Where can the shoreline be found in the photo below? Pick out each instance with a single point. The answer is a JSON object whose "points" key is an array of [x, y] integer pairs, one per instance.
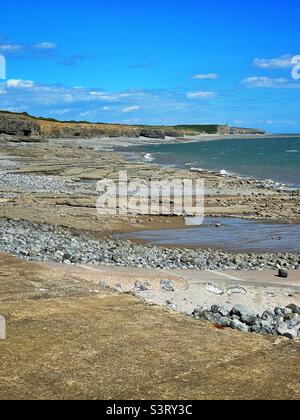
{"points": [[48, 243], [124, 150], [55, 182]]}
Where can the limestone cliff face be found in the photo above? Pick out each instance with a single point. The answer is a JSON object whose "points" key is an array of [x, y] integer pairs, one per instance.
{"points": [[18, 125], [23, 125], [237, 130]]}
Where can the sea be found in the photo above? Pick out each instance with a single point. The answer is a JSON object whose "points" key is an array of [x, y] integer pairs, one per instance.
{"points": [[274, 160]]}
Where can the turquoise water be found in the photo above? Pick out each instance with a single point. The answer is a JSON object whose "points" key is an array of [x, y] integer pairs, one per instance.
{"points": [[276, 159]]}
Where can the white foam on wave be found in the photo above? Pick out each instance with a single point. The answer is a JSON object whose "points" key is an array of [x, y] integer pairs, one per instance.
{"points": [[148, 157], [292, 151], [191, 163], [224, 172]]}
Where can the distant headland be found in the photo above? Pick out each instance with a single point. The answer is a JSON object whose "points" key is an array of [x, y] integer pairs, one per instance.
{"points": [[25, 125]]}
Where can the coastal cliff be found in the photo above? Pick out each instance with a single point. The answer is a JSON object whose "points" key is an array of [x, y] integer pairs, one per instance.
{"points": [[24, 125]]}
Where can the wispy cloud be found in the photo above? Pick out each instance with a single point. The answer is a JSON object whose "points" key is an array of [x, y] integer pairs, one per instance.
{"points": [[201, 95], [60, 112], [131, 109], [10, 48], [283, 62], [28, 94], [268, 82], [19, 84], [45, 46], [13, 48], [209, 76], [42, 50]]}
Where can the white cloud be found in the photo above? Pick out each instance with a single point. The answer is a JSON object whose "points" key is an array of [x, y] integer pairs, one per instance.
{"points": [[268, 82], [60, 112], [210, 76], [45, 46], [283, 62], [154, 105], [30, 49], [19, 84], [200, 95], [10, 47], [131, 109]]}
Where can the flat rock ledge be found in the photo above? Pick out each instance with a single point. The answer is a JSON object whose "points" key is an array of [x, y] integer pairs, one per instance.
{"points": [[284, 322]]}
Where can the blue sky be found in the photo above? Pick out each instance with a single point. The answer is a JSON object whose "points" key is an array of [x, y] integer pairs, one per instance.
{"points": [[153, 62]]}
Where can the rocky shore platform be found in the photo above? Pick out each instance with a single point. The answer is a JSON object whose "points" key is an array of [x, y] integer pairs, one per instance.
{"points": [[81, 303]]}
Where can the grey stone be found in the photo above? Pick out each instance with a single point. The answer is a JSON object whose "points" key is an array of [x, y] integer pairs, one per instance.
{"points": [[223, 310], [208, 316], [250, 320], [238, 325], [283, 273], [214, 289], [167, 285], [243, 311], [256, 329], [236, 291], [267, 330], [284, 331], [224, 321], [268, 315], [294, 308], [197, 313], [280, 311], [141, 286], [67, 257]]}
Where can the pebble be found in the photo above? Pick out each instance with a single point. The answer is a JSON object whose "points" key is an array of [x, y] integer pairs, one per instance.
{"points": [[141, 286], [214, 289], [41, 242]]}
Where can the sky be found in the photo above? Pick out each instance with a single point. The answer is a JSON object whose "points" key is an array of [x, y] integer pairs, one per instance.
{"points": [[153, 62]]}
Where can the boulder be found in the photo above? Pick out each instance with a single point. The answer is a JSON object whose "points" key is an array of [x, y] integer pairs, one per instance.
{"points": [[283, 273], [243, 311], [294, 308], [280, 311], [225, 322], [256, 329], [238, 325], [269, 315], [284, 331], [223, 310], [268, 330]]}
